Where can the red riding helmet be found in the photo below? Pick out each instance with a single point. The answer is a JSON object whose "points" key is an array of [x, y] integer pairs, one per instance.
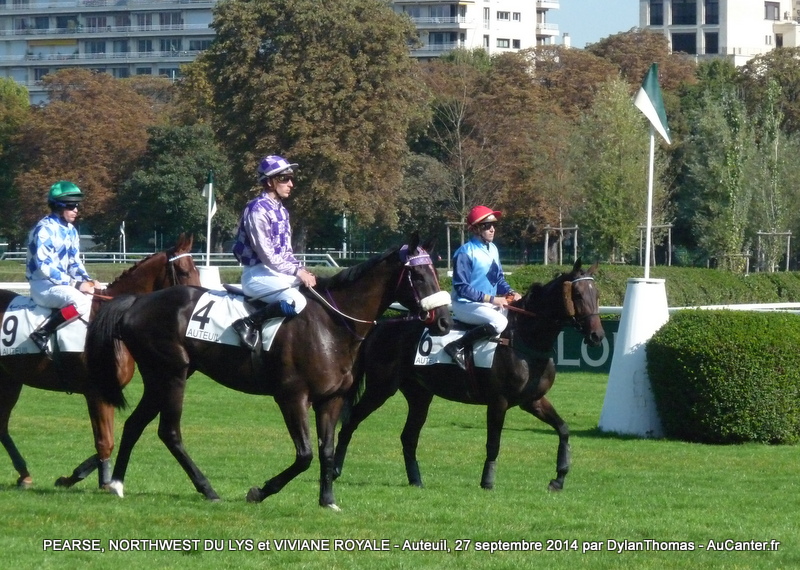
{"points": [[480, 214]]}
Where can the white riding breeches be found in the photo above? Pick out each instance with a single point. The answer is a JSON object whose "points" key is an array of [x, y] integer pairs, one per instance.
{"points": [[474, 313], [46, 294], [267, 285]]}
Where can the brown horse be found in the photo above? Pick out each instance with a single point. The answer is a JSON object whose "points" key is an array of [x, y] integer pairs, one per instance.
{"points": [[521, 372], [67, 372], [309, 363]]}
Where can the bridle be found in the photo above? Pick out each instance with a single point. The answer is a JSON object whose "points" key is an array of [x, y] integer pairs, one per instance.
{"points": [[569, 305], [171, 262], [428, 304]]}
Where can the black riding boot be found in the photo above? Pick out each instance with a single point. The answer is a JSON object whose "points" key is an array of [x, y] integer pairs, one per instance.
{"points": [[455, 349], [249, 327], [57, 318]]}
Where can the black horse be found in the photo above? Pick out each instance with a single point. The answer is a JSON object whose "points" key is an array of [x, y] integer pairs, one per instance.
{"points": [[521, 373], [309, 363]]}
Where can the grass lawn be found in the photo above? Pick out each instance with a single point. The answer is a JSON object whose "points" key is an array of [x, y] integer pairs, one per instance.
{"points": [[627, 503]]}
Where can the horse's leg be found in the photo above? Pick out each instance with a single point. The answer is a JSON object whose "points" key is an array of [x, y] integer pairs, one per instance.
{"points": [[9, 395], [295, 416], [372, 399], [495, 418], [102, 418], [544, 410], [327, 415], [419, 401], [144, 413], [169, 430]]}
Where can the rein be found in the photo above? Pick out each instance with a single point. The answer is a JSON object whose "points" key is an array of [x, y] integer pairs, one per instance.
{"points": [[337, 311]]}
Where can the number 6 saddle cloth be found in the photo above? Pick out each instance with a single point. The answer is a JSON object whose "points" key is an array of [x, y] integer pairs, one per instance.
{"points": [[214, 314]]}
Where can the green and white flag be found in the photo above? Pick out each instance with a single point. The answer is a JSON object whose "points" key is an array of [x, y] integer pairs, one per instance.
{"points": [[208, 192], [650, 102]]}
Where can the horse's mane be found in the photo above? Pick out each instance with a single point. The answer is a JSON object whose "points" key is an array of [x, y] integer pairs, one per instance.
{"points": [[132, 268], [352, 274]]}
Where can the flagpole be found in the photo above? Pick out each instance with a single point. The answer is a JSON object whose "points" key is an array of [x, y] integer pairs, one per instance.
{"points": [[208, 219], [649, 225]]}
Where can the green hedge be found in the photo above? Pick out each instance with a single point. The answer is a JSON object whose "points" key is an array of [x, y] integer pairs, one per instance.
{"points": [[727, 376]]}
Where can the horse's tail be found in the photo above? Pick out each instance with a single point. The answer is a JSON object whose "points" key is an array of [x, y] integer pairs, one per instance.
{"points": [[355, 392], [102, 349]]}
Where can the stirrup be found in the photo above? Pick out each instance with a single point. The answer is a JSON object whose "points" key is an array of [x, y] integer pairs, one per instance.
{"points": [[457, 354], [249, 333], [42, 342]]}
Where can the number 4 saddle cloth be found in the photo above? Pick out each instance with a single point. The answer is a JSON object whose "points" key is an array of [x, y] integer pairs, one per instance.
{"points": [[214, 314]]}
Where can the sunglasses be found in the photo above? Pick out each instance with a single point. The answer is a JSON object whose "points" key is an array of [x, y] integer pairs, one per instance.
{"points": [[487, 226], [285, 178], [70, 206]]}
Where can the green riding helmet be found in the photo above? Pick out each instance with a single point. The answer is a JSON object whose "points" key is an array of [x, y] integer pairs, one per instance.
{"points": [[64, 192]]}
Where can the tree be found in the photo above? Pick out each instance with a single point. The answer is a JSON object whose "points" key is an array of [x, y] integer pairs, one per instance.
{"points": [[615, 175], [333, 89], [92, 133], [14, 111], [720, 161], [783, 67], [164, 193]]}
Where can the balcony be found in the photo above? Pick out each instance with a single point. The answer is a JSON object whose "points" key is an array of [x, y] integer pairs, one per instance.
{"points": [[450, 23], [435, 50], [84, 30], [547, 4], [182, 56], [546, 29], [60, 6]]}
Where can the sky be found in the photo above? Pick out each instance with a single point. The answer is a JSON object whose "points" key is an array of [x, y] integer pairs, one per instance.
{"points": [[587, 21]]}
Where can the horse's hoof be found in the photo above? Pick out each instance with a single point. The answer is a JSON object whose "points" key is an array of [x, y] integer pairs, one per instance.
{"points": [[255, 495], [334, 507], [116, 488], [64, 482], [555, 486], [25, 482]]}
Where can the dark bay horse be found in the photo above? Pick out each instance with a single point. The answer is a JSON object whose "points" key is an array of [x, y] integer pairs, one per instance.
{"points": [[309, 363], [67, 372], [521, 374]]}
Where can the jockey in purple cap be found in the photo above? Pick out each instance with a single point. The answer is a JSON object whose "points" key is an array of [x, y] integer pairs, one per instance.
{"points": [[271, 272]]}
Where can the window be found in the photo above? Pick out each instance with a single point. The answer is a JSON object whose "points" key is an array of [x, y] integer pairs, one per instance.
{"points": [[171, 72], [144, 71], [413, 11], [94, 23], [778, 40], [96, 47], [171, 45], [684, 12], [41, 23], [516, 16], [768, 40], [120, 72], [772, 10], [120, 46], [40, 72], [486, 42], [711, 12], [686, 43], [656, 12], [515, 44], [712, 42], [503, 43], [122, 21], [199, 45], [144, 46], [505, 16], [170, 19], [144, 21]]}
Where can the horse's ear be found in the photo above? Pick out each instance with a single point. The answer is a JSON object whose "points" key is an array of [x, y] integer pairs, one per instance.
{"points": [[185, 242], [577, 266], [593, 269], [429, 244], [413, 242]]}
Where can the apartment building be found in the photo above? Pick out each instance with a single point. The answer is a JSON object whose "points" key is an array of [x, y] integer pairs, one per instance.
{"points": [[494, 25], [119, 37], [735, 29], [154, 37]]}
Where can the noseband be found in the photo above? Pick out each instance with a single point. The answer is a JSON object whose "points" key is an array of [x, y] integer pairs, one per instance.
{"points": [[427, 304]]}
